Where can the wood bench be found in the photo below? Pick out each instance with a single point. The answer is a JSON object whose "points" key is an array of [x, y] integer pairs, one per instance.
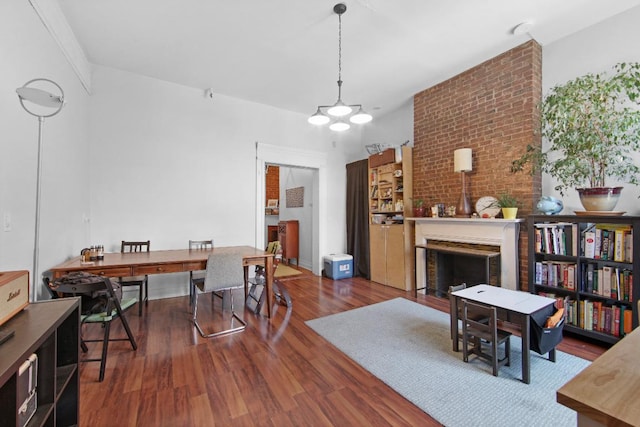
{"points": [[451, 250]]}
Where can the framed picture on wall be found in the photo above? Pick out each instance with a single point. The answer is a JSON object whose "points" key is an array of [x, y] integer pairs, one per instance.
{"points": [[272, 203]]}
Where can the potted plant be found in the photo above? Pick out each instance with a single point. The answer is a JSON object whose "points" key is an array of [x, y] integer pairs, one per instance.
{"points": [[418, 207], [509, 205], [592, 126]]}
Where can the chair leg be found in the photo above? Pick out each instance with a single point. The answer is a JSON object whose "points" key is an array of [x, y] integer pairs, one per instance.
{"points": [[140, 301], [105, 347], [146, 290]]}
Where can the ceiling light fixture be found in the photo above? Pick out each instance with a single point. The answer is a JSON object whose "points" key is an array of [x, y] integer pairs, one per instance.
{"points": [[339, 109]]}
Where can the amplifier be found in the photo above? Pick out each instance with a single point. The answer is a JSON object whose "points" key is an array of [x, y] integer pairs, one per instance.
{"points": [[14, 293], [26, 392]]}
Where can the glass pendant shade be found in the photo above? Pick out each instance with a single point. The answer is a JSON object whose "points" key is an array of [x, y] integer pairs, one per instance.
{"points": [[339, 126], [360, 117], [319, 118], [339, 109]]}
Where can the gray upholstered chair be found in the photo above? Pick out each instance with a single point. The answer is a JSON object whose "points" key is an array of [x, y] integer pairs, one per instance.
{"points": [[480, 334], [224, 273], [142, 282], [197, 245]]}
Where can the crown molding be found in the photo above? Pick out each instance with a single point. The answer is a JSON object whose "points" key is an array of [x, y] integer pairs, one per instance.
{"points": [[55, 22]]}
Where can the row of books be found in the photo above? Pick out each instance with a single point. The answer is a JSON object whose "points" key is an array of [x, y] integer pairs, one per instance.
{"points": [[595, 315], [556, 273], [605, 281], [613, 242], [556, 238]]}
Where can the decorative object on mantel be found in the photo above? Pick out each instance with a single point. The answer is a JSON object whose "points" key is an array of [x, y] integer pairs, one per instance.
{"points": [[339, 110], [592, 127], [549, 205], [487, 207], [418, 207], [462, 163], [508, 204], [52, 104]]}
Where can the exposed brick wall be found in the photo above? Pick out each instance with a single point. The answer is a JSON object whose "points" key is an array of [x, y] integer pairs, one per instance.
{"points": [[492, 109], [272, 183]]}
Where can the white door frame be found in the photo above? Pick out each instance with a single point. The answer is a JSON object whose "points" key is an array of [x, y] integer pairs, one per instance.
{"points": [[293, 157]]}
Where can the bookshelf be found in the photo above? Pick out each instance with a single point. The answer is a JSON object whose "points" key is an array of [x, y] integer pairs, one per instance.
{"points": [[49, 329], [591, 265]]}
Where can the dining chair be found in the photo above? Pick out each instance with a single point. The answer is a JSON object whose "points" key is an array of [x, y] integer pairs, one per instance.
{"points": [[105, 306], [480, 334], [197, 245], [142, 282], [225, 272]]}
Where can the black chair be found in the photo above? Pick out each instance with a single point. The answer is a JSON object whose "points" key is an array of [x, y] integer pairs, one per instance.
{"points": [[101, 305], [142, 282], [452, 308], [480, 334]]}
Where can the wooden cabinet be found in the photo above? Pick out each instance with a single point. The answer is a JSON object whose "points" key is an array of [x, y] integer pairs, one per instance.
{"points": [[390, 202], [590, 265], [49, 329], [387, 255], [288, 237]]}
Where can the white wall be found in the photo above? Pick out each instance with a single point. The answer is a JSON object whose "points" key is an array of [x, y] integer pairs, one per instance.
{"points": [[595, 49], [27, 52], [170, 165]]}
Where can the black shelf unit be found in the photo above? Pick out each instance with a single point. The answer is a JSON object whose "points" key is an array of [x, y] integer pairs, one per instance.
{"points": [[51, 330], [574, 228]]}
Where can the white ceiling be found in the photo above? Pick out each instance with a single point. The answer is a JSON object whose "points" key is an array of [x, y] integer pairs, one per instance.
{"points": [[285, 52]]}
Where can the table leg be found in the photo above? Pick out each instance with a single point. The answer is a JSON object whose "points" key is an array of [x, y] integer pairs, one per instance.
{"points": [[268, 269], [526, 356], [454, 323]]}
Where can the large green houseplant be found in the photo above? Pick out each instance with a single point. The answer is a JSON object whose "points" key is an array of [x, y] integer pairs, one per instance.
{"points": [[592, 126]]}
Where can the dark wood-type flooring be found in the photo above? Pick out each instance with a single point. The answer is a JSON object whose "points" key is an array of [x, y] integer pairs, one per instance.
{"points": [[277, 373]]}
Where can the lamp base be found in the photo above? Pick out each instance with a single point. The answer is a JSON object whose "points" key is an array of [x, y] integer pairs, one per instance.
{"points": [[464, 207]]}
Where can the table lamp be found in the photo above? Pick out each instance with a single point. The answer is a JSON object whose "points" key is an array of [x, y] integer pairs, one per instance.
{"points": [[462, 164]]}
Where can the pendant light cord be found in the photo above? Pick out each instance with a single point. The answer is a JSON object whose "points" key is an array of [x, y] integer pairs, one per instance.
{"points": [[339, 57]]}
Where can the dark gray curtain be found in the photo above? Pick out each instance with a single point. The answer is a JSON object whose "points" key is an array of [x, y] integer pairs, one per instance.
{"points": [[358, 216]]}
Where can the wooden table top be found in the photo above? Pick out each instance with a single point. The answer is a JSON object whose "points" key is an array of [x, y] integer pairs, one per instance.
{"points": [[607, 391], [118, 259]]}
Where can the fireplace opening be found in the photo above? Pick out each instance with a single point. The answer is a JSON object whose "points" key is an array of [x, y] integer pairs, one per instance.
{"points": [[470, 264]]}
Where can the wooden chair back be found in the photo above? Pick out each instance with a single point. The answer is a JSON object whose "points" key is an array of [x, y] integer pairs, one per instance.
{"points": [[131, 246]]}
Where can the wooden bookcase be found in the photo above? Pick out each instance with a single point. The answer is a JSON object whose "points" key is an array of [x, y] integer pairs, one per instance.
{"points": [[50, 329], [591, 264], [390, 202]]}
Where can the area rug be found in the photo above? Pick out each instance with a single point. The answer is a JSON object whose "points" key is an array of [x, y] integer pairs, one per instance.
{"points": [[285, 271], [408, 346]]}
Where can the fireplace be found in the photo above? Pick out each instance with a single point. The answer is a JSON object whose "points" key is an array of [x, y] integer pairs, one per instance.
{"points": [[499, 235]]}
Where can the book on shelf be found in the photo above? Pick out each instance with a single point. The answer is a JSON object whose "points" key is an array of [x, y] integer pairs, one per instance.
{"points": [[556, 238]]}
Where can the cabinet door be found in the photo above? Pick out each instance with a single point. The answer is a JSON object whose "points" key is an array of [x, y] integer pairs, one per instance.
{"points": [[395, 256], [377, 250]]}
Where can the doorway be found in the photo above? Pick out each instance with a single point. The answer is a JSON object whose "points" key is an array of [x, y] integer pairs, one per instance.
{"points": [[292, 157]]}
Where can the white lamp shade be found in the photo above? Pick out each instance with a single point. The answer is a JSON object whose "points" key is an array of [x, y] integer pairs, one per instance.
{"points": [[462, 160], [339, 109], [339, 126], [318, 119], [361, 117]]}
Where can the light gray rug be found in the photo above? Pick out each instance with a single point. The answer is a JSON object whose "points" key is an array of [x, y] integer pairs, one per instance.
{"points": [[407, 346]]}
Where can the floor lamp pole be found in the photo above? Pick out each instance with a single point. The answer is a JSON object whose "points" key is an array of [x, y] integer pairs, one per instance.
{"points": [[36, 238]]}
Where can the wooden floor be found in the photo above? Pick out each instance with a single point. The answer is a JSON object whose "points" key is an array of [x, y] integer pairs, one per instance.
{"points": [[277, 373]]}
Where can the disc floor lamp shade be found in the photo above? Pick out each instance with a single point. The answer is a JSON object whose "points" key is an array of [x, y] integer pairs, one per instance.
{"points": [[41, 104], [462, 163]]}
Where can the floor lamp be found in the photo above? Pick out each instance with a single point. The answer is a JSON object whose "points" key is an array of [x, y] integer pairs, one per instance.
{"points": [[462, 164], [49, 101]]}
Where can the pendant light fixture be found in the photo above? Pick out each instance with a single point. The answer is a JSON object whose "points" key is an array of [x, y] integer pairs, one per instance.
{"points": [[339, 111]]}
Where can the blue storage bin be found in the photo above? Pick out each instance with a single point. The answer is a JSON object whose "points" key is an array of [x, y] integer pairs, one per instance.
{"points": [[338, 266]]}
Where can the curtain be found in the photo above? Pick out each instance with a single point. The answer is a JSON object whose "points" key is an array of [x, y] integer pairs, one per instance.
{"points": [[358, 216]]}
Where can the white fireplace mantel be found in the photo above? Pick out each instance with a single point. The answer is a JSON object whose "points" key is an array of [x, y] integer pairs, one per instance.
{"points": [[503, 233]]}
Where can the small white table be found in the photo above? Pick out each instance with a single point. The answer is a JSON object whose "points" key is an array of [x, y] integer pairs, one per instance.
{"points": [[513, 307]]}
